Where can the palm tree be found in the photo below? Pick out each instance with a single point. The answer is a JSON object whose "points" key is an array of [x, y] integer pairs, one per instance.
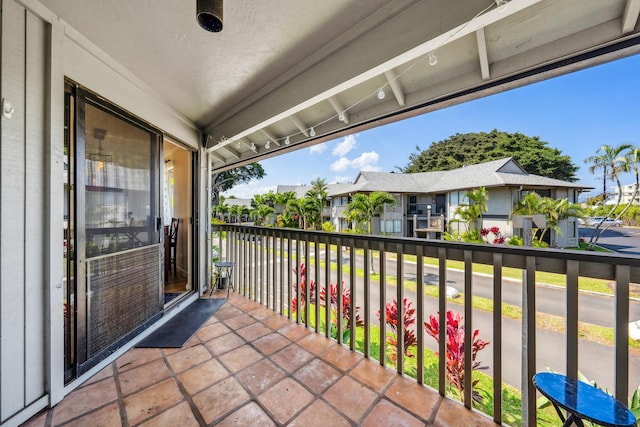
{"points": [[281, 199], [221, 209], [632, 164], [363, 207], [317, 193], [261, 212], [553, 210], [613, 161]]}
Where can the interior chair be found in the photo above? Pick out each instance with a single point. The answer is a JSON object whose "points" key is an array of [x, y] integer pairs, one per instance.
{"points": [[173, 243]]}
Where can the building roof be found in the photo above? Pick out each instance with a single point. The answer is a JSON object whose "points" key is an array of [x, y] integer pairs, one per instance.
{"points": [[496, 173]]}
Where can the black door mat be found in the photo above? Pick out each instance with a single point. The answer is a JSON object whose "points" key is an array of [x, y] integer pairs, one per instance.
{"points": [[170, 296], [183, 325]]}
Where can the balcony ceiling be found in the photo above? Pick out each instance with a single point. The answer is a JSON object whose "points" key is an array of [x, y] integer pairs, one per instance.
{"points": [[282, 67]]}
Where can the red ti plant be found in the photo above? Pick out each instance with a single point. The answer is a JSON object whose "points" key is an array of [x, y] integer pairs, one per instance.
{"points": [[346, 309], [303, 289], [409, 319], [455, 350]]}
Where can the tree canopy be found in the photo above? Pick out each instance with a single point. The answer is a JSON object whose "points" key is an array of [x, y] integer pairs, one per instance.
{"points": [[226, 180], [534, 155]]}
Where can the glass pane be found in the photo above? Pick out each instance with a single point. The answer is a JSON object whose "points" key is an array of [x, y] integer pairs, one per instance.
{"points": [[118, 184]]}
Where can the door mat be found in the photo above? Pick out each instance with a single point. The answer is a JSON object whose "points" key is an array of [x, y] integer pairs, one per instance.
{"points": [[183, 325]]}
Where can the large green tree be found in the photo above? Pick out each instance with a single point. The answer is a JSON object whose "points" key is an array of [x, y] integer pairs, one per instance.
{"points": [[534, 155], [226, 180]]}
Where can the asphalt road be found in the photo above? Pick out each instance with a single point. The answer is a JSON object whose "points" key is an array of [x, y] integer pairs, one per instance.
{"points": [[624, 240]]}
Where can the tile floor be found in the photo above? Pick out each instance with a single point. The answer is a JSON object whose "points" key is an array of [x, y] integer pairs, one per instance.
{"points": [[248, 366]]}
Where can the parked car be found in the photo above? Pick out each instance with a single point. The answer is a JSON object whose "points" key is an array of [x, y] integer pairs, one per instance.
{"points": [[594, 221]]}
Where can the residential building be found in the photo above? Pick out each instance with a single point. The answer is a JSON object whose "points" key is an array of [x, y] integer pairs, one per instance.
{"points": [[426, 203], [628, 192]]}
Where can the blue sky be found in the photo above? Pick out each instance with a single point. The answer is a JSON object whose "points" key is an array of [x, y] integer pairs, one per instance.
{"points": [[575, 113]]}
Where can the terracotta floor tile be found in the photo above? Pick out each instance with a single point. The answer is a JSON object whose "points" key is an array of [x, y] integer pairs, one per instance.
{"points": [[106, 372], [241, 321], [38, 420], [227, 312], [317, 375], [261, 313], [249, 415], [220, 399], [271, 343], [350, 397], [387, 414], [291, 357], [188, 358], [253, 331], [294, 331], [225, 343], [191, 342], [143, 376], [202, 376], [285, 399], [276, 322], [341, 357], [211, 331], [230, 382], [371, 373], [85, 399], [260, 376], [414, 397], [151, 401], [180, 415], [137, 357], [316, 343], [103, 417], [240, 358], [319, 414], [453, 414]]}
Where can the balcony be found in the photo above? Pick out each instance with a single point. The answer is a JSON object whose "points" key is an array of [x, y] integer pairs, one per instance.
{"points": [[250, 366], [558, 327], [260, 361]]}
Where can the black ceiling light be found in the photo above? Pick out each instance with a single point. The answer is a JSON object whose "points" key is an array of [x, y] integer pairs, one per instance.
{"points": [[209, 15]]}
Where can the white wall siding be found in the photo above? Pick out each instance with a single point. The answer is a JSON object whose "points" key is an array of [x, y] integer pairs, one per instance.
{"points": [[22, 211], [35, 206]]}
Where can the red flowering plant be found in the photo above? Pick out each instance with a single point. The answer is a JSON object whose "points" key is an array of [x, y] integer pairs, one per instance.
{"points": [[455, 351], [303, 289], [409, 319], [346, 310], [333, 302], [487, 233]]}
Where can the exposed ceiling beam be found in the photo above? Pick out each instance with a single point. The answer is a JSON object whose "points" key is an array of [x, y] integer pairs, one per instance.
{"points": [[235, 153], [218, 156], [630, 17], [339, 108], [482, 54], [271, 138], [301, 127], [392, 78], [463, 30]]}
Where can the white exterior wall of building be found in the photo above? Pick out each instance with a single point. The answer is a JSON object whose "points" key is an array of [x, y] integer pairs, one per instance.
{"points": [[38, 51]]}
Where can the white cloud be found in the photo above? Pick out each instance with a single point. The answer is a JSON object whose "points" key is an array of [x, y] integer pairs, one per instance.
{"points": [[318, 149], [366, 161], [344, 146], [341, 164], [248, 190]]}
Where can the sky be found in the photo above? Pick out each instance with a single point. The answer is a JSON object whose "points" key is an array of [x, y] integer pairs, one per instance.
{"points": [[575, 113]]}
